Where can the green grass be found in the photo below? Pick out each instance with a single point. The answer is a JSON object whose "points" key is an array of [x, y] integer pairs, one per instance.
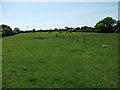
{"points": [[0, 63], [60, 63]]}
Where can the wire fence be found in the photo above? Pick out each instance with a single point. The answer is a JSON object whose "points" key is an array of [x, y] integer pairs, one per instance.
{"points": [[91, 39], [82, 39]]}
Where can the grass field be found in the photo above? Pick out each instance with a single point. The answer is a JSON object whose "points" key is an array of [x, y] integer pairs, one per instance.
{"points": [[57, 62], [0, 62]]}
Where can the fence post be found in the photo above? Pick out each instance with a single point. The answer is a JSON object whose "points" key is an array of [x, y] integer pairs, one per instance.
{"points": [[56, 35], [68, 37]]}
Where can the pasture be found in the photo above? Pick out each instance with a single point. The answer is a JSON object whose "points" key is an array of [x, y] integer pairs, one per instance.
{"points": [[44, 60]]}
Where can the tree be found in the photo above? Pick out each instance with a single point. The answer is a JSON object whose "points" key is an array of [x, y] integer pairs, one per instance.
{"points": [[87, 29], [105, 25], [77, 28], [6, 30], [33, 30], [55, 29], [66, 27], [84, 27], [61, 30], [117, 27], [17, 30]]}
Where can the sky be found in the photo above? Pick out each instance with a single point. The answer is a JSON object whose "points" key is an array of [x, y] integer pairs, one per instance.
{"points": [[50, 15]]}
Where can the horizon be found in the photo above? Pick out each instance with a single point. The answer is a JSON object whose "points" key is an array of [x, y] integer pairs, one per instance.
{"points": [[50, 15]]}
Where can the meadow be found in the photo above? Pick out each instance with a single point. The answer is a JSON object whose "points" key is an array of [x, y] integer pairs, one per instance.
{"points": [[44, 60], [0, 61]]}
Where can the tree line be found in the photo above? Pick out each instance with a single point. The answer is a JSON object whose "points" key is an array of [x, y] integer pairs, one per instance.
{"points": [[106, 25]]}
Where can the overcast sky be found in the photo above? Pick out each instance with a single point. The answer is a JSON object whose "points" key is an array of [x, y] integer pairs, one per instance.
{"points": [[46, 15]]}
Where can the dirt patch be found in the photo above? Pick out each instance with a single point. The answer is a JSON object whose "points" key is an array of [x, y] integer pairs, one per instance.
{"points": [[40, 38]]}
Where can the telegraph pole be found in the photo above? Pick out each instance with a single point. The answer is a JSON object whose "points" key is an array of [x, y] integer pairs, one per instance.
{"points": [[27, 27]]}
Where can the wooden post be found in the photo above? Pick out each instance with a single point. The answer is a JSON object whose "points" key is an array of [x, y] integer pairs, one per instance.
{"points": [[68, 37], [56, 35]]}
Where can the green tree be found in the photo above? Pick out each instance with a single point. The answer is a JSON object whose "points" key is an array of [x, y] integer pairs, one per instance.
{"points": [[77, 28], [33, 30], [106, 25], [6, 30], [17, 30], [55, 29], [117, 27], [87, 29], [84, 27]]}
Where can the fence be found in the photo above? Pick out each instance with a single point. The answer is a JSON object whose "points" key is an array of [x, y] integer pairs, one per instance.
{"points": [[95, 39], [81, 39]]}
